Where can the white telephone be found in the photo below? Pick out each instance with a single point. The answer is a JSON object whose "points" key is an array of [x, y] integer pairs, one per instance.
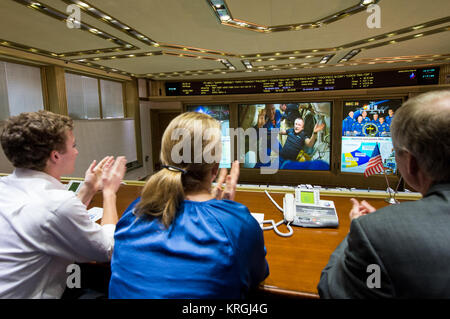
{"points": [[305, 209], [289, 207]]}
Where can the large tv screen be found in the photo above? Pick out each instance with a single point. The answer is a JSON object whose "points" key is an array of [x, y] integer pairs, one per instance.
{"points": [[367, 123], [281, 135], [222, 114]]}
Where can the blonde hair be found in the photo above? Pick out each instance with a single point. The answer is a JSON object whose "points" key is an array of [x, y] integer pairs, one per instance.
{"points": [[164, 191]]}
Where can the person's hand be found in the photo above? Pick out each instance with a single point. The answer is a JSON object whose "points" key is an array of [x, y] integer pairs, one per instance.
{"points": [[360, 209], [230, 183], [113, 173], [319, 127], [93, 175]]}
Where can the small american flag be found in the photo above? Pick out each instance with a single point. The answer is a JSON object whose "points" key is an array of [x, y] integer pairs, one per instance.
{"points": [[375, 164]]}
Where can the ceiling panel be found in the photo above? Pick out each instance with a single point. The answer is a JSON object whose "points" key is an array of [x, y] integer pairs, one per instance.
{"points": [[281, 12], [191, 27], [161, 63], [27, 26]]}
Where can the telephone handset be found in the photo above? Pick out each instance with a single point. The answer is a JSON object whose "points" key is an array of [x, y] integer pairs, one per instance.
{"points": [[289, 207]]}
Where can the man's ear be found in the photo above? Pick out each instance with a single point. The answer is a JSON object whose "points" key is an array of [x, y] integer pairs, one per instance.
{"points": [[54, 156], [412, 164]]}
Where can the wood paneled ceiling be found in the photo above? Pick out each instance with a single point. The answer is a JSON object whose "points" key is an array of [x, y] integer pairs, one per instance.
{"points": [[201, 39]]}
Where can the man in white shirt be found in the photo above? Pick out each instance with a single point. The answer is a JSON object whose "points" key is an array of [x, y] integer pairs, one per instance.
{"points": [[44, 227]]}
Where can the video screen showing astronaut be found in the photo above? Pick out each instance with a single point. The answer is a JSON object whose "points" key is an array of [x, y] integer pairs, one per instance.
{"points": [[297, 136]]}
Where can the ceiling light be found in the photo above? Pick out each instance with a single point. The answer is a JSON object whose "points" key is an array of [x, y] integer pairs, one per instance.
{"points": [[83, 4]]}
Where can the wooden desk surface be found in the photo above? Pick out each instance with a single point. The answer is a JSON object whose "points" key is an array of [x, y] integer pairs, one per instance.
{"points": [[295, 262]]}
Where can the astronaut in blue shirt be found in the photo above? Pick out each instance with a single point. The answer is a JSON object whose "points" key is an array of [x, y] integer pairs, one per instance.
{"points": [[375, 120], [365, 119], [357, 127], [390, 117], [347, 124], [383, 128]]}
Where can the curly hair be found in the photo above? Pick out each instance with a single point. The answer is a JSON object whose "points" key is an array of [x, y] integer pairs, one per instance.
{"points": [[28, 138]]}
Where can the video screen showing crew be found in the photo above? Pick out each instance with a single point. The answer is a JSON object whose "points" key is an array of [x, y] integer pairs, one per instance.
{"points": [[366, 123]]}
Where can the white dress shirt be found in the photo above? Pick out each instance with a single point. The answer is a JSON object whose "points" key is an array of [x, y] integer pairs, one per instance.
{"points": [[43, 229]]}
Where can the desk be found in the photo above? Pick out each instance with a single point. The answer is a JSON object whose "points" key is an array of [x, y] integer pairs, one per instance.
{"points": [[295, 262]]}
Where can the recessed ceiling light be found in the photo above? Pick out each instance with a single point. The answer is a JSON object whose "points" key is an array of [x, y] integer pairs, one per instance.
{"points": [[83, 4]]}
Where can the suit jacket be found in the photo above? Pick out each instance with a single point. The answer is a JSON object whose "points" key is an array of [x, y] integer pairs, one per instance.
{"points": [[410, 245]]}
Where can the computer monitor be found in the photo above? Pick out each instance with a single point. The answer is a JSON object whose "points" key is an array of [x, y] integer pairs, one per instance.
{"points": [[222, 114], [294, 147], [367, 123]]}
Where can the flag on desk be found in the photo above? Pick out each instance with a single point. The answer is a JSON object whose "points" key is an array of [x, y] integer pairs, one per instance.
{"points": [[375, 164]]}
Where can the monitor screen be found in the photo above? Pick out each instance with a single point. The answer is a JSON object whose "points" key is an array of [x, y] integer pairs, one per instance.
{"points": [[367, 123], [281, 135], [222, 114]]}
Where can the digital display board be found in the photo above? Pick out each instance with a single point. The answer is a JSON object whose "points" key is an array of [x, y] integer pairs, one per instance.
{"points": [[307, 83]]}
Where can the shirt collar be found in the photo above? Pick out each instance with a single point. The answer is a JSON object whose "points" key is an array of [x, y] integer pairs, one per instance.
{"points": [[438, 188], [33, 174]]}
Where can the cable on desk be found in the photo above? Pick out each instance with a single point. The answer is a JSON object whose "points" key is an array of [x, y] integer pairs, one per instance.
{"points": [[275, 225]]}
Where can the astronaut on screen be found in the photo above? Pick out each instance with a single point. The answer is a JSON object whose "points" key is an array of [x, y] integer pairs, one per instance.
{"points": [[303, 139]]}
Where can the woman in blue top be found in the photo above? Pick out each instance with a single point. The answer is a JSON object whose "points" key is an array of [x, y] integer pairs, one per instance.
{"points": [[182, 239]]}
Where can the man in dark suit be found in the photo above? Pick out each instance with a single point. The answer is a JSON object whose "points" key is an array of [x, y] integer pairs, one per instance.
{"points": [[402, 251]]}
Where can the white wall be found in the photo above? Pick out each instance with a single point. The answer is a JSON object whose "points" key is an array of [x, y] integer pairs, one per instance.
{"points": [[96, 139]]}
